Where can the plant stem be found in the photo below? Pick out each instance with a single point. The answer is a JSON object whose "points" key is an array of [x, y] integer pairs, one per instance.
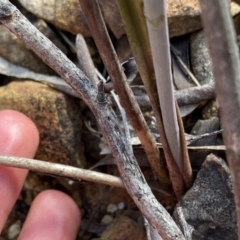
{"points": [[156, 18], [85, 60], [224, 53], [55, 169]]}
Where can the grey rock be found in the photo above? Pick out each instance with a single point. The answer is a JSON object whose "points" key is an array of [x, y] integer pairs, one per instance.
{"points": [[206, 126], [200, 58], [208, 209]]}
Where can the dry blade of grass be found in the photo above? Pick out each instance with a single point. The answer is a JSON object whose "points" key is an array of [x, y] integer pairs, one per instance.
{"points": [[85, 60], [55, 169], [136, 29], [156, 18]]}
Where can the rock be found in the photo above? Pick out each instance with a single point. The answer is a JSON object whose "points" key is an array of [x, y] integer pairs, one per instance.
{"points": [[111, 208], [107, 219], [123, 49], [14, 230], [57, 116], [123, 228], [211, 110], [64, 14], [112, 17], [200, 58], [235, 10], [183, 17], [206, 126], [207, 210], [67, 15], [121, 206], [16, 52]]}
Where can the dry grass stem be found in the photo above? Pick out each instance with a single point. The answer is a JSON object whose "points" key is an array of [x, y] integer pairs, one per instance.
{"points": [[226, 71], [61, 170], [85, 60]]}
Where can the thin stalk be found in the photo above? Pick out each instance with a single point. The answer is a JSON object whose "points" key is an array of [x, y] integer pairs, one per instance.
{"points": [[156, 18], [224, 53], [85, 60], [159, 40], [134, 21], [99, 32], [60, 170]]}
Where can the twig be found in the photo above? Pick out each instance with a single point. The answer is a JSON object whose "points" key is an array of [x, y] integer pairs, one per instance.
{"points": [[98, 29], [195, 94], [131, 174], [85, 60], [183, 66], [123, 115], [151, 232], [9, 69], [67, 40], [60, 170], [226, 70], [192, 138], [185, 227], [187, 173], [185, 97]]}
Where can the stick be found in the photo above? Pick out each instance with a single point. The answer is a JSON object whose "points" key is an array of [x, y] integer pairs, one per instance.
{"points": [[61, 170], [226, 70]]}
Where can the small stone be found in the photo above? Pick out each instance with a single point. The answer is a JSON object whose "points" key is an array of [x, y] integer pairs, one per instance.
{"points": [[111, 208], [64, 14], [211, 110], [112, 17], [121, 206], [208, 208], [123, 228], [203, 127], [107, 219], [14, 230], [200, 58]]}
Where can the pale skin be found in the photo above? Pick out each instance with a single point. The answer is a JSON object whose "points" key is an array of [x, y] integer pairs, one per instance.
{"points": [[53, 214]]}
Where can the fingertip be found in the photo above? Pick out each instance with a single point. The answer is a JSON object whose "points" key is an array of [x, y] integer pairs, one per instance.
{"points": [[19, 135], [53, 215]]}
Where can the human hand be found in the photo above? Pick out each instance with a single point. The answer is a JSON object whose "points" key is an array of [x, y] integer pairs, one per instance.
{"points": [[53, 214]]}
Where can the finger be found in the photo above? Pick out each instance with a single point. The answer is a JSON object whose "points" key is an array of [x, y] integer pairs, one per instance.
{"points": [[53, 215], [18, 137]]}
